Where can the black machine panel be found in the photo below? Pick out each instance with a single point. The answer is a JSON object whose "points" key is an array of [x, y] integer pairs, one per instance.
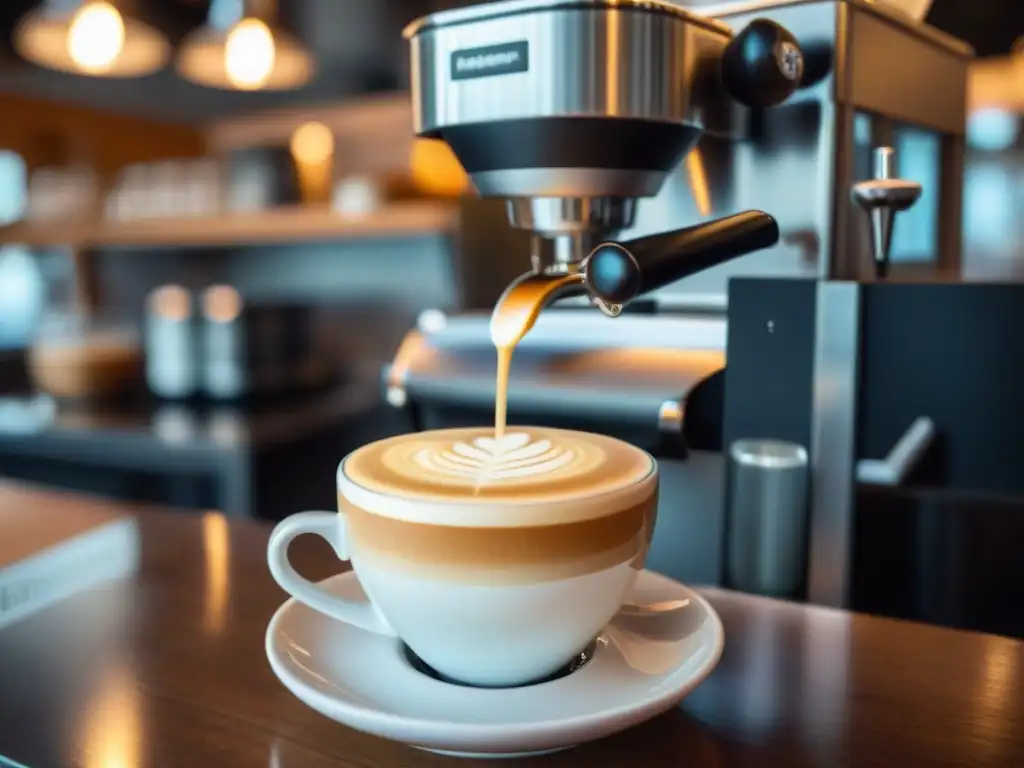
{"points": [[944, 546], [954, 353], [770, 360], [943, 557]]}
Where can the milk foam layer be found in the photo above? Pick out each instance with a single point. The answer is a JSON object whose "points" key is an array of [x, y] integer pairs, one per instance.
{"points": [[533, 475]]}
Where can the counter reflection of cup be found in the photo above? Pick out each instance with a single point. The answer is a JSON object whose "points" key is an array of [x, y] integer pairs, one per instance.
{"points": [[494, 561]]}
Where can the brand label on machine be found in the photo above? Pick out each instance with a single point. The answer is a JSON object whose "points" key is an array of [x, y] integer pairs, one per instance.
{"points": [[490, 60]]}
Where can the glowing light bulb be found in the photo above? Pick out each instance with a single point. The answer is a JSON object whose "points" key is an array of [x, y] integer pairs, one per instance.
{"points": [[249, 54], [96, 36]]}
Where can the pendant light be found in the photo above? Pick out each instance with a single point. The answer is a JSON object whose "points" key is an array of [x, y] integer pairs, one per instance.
{"points": [[100, 38], [242, 48]]}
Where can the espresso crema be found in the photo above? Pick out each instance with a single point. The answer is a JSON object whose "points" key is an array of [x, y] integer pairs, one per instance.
{"points": [[536, 505]]}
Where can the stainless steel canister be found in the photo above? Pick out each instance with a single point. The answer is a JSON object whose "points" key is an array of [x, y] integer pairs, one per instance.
{"points": [[766, 545]]}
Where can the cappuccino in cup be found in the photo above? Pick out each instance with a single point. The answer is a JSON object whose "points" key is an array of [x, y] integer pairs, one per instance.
{"points": [[496, 560]]}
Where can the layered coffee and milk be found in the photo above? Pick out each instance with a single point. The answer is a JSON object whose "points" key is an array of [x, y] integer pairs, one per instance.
{"points": [[495, 554], [534, 505]]}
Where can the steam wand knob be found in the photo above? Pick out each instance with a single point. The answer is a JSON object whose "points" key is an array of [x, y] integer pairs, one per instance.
{"points": [[762, 65], [881, 198]]}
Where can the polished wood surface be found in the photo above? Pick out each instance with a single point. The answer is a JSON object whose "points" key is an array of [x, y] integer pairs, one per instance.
{"points": [[275, 226], [167, 668]]}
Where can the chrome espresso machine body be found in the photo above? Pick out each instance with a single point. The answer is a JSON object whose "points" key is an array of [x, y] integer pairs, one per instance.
{"points": [[605, 124]]}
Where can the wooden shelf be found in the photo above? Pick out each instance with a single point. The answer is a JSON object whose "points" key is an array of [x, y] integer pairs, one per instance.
{"points": [[281, 226]]}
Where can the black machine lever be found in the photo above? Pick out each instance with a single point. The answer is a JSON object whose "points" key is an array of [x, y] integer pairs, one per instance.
{"points": [[619, 272]]}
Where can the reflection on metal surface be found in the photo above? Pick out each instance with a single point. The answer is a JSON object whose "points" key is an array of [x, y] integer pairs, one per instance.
{"points": [[697, 176], [174, 424], [431, 320], [766, 543], [398, 371], [572, 331], [670, 417], [227, 427], [604, 69], [217, 552], [833, 450], [113, 726], [572, 364], [902, 459]]}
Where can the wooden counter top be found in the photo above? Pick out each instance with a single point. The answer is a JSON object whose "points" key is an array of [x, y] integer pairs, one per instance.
{"points": [[166, 668]]}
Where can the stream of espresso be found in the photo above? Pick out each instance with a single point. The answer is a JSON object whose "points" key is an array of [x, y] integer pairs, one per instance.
{"points": [[514, 315], [501, 391]]}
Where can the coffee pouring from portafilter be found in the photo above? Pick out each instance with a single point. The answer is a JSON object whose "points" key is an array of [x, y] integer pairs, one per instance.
{"points": [[575, 111]]}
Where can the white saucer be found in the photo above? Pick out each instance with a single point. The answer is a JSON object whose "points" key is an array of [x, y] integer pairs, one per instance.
{"points": [[655, 651]]}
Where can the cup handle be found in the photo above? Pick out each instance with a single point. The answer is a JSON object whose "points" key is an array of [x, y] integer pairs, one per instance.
{"points": [[332, 527]]}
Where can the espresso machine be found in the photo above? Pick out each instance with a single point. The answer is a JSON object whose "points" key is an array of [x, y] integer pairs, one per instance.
{"points": [[812, 295]]}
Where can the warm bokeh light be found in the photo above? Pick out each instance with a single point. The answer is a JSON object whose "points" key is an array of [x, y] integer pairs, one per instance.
{"points": [[312, 144], [113, 723], [249, 54], [221, 303], [312, 147], [96, 36], [436, 170], [217, 551]]}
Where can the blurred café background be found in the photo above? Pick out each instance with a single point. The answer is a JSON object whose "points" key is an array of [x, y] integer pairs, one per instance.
{"points": [[218, 229]]}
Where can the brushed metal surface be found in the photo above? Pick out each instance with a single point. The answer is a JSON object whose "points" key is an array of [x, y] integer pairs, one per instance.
{"points": [[767, 517], [605, 60], [568, 365], [833, 442], [481, 11], [798, 161]]}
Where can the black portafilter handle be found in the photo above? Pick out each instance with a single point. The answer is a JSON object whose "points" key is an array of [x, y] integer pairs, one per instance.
{"points": [[619, 272], [762, 65]]}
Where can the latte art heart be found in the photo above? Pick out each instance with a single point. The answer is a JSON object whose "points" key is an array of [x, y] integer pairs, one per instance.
{"points": [[487, 459]]}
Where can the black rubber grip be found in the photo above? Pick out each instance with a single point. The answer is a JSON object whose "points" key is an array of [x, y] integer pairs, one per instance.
{"points": [[619, 272]]}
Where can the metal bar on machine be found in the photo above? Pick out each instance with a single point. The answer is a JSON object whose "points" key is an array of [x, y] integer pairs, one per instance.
{"points": [[833, 442]]}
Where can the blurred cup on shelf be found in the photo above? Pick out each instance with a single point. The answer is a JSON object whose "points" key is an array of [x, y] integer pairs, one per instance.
{"points": [[134, 192], [171, 344], [63, 194], [164, 192], [356, 196], [203, 187], [78, 356], [260, 178]]}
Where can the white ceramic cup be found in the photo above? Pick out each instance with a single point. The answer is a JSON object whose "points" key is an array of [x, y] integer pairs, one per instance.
{"points": [[483, 605]]}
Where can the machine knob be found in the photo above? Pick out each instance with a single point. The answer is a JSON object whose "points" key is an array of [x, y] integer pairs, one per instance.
{"points": [[762, 65], [616, 273], [881, 199]]}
